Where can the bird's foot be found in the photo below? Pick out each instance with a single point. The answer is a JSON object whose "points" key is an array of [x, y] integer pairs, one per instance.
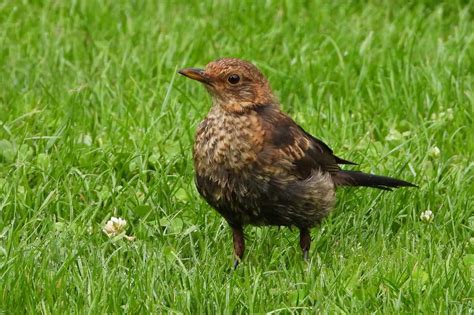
{"points": [[239, 245], [305, 242], [236, 263]]}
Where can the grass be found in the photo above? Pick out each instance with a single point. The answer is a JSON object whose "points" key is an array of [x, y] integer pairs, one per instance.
{"points": [[94, 122]]}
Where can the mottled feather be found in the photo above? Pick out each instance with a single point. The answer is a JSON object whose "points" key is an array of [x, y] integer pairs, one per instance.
{"points": [[255, 165]]}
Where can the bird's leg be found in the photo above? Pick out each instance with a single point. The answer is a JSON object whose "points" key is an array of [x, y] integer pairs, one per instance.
{"points": [[239, 244], [305, 242]]}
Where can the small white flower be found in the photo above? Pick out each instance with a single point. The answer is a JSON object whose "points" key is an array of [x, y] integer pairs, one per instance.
{"points": [[443, 116], [449, 114], [85, 139], [394, 135], [115, 226], [427, 216], [434, 151]]}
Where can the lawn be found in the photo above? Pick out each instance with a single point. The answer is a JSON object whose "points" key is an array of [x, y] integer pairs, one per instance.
{"points": [[95, 123]]}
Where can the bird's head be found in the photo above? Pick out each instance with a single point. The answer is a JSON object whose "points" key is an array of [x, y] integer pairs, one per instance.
{"points": [[235, 85]]}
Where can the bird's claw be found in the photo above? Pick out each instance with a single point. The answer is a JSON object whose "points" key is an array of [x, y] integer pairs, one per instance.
{"points": [[236, 263]]}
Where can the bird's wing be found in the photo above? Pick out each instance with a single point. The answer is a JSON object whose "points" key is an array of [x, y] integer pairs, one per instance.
{"points": [[289, 146], [324, 148]]}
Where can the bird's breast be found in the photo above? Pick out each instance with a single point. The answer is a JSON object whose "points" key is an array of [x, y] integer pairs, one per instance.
{"points": [[229, 141], [225, 155]]}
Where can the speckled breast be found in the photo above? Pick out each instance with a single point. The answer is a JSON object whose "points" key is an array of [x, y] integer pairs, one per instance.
{"points": [[225, 154], [246, 188]]}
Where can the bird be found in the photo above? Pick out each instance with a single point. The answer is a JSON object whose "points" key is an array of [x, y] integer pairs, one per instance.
{"points": [[256, 166]]}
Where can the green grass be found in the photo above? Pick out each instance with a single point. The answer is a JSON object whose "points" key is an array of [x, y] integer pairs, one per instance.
{"points": [[95, 122]]}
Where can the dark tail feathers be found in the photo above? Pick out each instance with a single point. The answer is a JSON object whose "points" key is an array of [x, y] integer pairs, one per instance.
{"points": [[355, 178]]}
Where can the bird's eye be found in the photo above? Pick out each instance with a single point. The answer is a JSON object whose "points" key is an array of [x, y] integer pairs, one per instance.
{"points": [[233, 79]]}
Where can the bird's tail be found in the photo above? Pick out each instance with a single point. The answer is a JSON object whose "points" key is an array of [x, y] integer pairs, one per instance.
{"points": [[355, 178]]}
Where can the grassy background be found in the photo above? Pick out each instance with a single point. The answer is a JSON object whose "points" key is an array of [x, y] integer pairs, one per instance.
{"points": [[94, 122]]}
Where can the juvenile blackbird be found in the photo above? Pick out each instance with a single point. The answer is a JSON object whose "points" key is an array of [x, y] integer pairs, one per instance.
{"points": [[255, 165]]}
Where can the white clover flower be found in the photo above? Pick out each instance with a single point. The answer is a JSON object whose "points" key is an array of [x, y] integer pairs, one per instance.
{"points": [[434, 151], [85, 139], [427, 216], [449, 114], [395, 135], [443, 116], [115, 226]]}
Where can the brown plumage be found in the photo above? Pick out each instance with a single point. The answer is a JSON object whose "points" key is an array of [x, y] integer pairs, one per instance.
{"points": [[255, 165]]}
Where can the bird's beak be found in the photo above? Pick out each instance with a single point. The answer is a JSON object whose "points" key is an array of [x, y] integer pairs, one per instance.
{"points": [[195, 74]]}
